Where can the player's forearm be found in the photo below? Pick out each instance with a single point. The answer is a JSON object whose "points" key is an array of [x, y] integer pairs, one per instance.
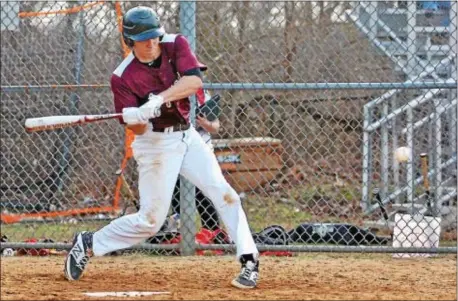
{"points": [[212, 127], [183, 88]]}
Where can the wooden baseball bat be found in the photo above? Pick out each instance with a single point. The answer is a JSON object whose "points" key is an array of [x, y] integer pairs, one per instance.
{"points": [[63, 121], [424, 172]]}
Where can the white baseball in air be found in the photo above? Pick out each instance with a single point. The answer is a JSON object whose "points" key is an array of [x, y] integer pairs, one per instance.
{"points": [[403, 154]]}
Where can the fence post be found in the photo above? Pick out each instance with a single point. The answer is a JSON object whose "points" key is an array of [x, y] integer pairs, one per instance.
{"points": [[187, 190], [394, 136], [437, 156], [452, 115], [384, 152], [410, 163], [411, 38], [367, 154]]}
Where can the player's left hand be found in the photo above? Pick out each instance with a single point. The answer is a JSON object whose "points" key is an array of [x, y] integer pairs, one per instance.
{"points": [[134, 116], [154, 102], [210, 126], [202, 121]]}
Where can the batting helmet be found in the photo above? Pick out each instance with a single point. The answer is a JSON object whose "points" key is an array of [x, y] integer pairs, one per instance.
{"points": [[139, 24]]}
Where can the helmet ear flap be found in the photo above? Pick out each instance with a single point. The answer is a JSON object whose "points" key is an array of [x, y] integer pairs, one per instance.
{"points": [[128, 42]]}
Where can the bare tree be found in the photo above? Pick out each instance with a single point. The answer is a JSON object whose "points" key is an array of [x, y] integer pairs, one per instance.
{"points": [[289, 41]]}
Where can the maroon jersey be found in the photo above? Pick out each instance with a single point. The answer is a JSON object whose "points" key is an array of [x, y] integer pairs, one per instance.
{"points": [[133, 81]]}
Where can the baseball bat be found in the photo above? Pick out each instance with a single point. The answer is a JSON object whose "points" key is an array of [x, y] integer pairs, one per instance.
{"points": [[63, 121], [378, 198], [424, 172], [120, 174]]}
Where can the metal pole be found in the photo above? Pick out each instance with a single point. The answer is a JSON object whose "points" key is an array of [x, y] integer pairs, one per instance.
{"points": [[371, 11], [366, 160], [187, 190], [452, 115], [384, 154], [411, 38], [410, 171], [443, 84], [394, 104], [357, 8], [231, 247], [437, 157]]}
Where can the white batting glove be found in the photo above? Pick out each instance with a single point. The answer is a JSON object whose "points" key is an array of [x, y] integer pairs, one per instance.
{"points": [[134, 116], [154, 104]]}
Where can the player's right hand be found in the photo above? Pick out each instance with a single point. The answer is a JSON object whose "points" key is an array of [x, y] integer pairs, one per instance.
{"points": [[154, 103], [134, 116]]}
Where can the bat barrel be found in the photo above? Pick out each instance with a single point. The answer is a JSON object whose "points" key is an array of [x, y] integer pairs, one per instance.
{"points": [[58, 122]]}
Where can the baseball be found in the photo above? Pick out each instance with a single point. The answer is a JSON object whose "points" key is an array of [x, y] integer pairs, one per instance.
{"points": [[403, 154]]}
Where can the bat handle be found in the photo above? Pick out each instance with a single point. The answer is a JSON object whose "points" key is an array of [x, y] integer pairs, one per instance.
{"points": [[376, 192], [424, 170]]}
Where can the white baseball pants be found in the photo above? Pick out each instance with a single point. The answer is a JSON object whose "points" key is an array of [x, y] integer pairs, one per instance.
{"points": [[160, 158]]}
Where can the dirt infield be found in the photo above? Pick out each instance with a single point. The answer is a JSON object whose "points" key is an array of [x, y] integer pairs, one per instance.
{"points": [[304, 277]]}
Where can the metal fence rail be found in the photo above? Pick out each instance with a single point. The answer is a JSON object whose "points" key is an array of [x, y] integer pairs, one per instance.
{"points": [[316, 98]]}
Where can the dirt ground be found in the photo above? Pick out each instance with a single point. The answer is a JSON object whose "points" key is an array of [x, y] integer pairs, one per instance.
{"points": [[303, 277]]}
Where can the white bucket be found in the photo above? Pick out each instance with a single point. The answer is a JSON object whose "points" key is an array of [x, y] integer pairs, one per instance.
{"points": [[416, 231]]}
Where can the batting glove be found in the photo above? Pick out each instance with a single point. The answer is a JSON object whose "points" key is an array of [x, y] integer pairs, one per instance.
{"points": [[134, 116], [154, 103]]}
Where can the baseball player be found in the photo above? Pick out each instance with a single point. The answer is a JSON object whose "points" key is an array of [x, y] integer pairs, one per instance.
{"points": [[151, 88]]}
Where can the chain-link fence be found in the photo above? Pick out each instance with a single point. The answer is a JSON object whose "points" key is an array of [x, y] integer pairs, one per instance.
{"points": [[316, 97]]}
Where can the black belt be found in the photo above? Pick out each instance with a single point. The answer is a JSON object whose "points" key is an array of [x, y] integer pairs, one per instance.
{"points": [[175, 128]]}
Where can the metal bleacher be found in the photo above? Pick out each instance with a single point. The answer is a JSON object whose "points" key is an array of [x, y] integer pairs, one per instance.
{"points": [[419, 37]]}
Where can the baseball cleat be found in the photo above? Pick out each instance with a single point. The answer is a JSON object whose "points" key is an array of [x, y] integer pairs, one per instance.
{"points": [[78, 256], [248, 276]]}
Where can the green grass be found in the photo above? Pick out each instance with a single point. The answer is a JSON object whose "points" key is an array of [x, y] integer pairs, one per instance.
{"points": [[56, 231], [293, 207], [447, 243], [262, 212]]}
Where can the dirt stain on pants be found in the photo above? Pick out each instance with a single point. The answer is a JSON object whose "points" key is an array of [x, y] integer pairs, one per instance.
{"points": [[228, 199]]}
